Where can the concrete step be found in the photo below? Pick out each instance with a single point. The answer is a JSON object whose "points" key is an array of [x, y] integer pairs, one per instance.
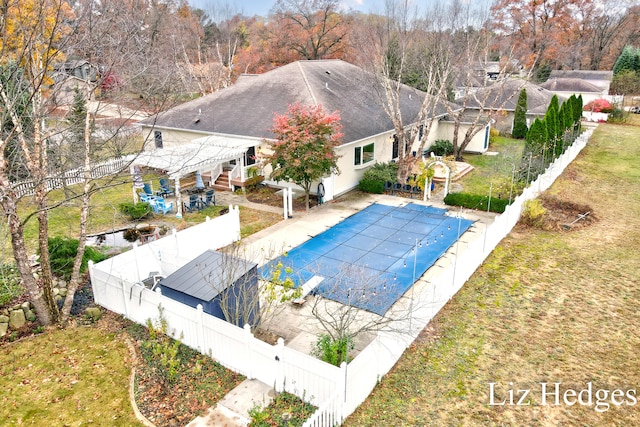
{"points": [[233, 409]]}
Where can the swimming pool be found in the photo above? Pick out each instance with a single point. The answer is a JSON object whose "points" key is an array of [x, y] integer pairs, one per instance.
{"points": [[370, 259]]}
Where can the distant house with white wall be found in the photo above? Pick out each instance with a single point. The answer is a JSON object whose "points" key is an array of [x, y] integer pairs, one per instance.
{"points": [[500, 101], [241, 116], [565, 87]]}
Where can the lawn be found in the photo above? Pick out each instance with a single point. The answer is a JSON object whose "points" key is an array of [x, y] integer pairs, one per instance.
{"points": [[105, 216], [546, 306], [492, 169], [70, 377]]}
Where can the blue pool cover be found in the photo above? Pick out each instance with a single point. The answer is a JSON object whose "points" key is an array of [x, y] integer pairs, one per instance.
{"points": [[368, 259]]}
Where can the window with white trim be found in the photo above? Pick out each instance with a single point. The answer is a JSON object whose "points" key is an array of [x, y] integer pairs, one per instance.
{"points": [[363, 155]]}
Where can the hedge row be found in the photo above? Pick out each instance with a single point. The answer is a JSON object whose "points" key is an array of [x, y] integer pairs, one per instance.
{"points": [[473, 201]]}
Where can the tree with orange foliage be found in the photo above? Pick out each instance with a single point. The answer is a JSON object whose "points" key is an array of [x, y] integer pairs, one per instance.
{"points": [[303, 151], [314, 29]]}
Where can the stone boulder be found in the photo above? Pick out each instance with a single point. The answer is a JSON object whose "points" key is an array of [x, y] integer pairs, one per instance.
{"points": [[4, 327], [17, 319], [93, 313]]}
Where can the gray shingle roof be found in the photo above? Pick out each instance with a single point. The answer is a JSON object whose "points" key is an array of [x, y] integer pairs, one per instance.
{"points": [[574, 85], [207, 275], [247, 108], [504, 95]]}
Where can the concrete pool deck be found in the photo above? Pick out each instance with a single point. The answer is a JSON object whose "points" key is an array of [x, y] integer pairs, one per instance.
{"points": [[295, 324]]}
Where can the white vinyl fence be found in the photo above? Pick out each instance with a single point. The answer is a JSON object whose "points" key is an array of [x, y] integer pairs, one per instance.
{"points": [[337, 391], [75, 176]]}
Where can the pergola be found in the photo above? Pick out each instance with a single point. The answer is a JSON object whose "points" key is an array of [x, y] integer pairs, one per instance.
{"points": [[206, 154]]}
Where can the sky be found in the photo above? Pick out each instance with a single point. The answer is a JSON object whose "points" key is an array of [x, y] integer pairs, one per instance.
{"points": [[262, 7]]}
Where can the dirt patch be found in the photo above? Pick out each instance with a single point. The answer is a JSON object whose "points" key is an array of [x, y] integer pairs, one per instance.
{"points": [[566, 215]]}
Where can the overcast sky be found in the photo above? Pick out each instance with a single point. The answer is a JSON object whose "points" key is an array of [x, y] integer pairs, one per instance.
{"points": [[262, 7]]}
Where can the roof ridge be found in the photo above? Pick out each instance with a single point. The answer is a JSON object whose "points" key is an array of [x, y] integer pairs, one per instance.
{"points": [[306, 82]]}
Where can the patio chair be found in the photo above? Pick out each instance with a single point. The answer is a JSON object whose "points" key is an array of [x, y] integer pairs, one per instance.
{"points": [[165, 189], [407, 188], [161, 206], [415, 190], [397, 187], [147, 189], [209, 198], [388, 186], [194, 204]]}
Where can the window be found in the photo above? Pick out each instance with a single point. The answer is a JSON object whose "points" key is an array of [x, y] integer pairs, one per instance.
{"points": [[363, 155], [396, 147], [250, 156], [157, 137]]}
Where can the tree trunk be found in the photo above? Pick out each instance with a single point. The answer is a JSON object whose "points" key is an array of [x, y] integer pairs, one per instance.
{"points": [[29, 282]]}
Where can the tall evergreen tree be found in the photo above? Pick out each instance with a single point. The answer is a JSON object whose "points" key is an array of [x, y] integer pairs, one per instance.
{"points": [[520, 116], [629, 60]]}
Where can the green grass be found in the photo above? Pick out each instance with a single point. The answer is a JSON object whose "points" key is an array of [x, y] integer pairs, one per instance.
{"points": [[76, 376], [545, 307], [492, 169]]}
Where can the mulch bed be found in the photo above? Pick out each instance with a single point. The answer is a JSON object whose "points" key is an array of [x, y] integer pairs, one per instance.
{"points": [[566, 215], [267, 196]]}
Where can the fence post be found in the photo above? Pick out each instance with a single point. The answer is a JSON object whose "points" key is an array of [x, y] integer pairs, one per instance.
{"points": [[342, 381], [124, 298], [200, 323], [249, 357], [279, 385]]}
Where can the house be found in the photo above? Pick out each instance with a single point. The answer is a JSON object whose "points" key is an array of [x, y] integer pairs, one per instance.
{"points": [[600, 79], [220, 283], [240, 117], [500, 101], [565, 87], [72, 76]]}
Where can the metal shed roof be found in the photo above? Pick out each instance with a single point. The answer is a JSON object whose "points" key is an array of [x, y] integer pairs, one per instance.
{"points": [[207, 275]]}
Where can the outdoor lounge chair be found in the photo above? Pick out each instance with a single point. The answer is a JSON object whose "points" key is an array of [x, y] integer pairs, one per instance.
{"points": [[388, 186], [165, 189], [161, 206], [209, 198], [147, 189], [195, 204]]}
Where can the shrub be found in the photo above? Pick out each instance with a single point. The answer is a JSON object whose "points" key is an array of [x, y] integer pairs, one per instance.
{"points": [[598, 106], [382, 172], [617, 116], [136, 211], [441, 147], [374, 178], [10, 286], [62, 252], [334, 351], [533, 213], [474, 201], [371, 186], [493, 135]]}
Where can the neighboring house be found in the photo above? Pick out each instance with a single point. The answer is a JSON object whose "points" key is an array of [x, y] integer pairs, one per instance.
{"points": [[565, 87], [600, 79], [70, 76], [241, 116], [220, 283], [500, 101]]}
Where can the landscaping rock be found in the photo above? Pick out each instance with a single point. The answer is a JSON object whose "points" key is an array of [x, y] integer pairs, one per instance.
{"points": [[93, 312], [3, 329], [4, 318], [58, 299], [4, 312], [30, 315], [17, 319], [25, 306], [56, 291], [62, 292], [62, 283]]}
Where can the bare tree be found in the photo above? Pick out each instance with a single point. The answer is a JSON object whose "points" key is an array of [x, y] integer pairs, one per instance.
{"points": [[399, 46], [354, 307]]}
